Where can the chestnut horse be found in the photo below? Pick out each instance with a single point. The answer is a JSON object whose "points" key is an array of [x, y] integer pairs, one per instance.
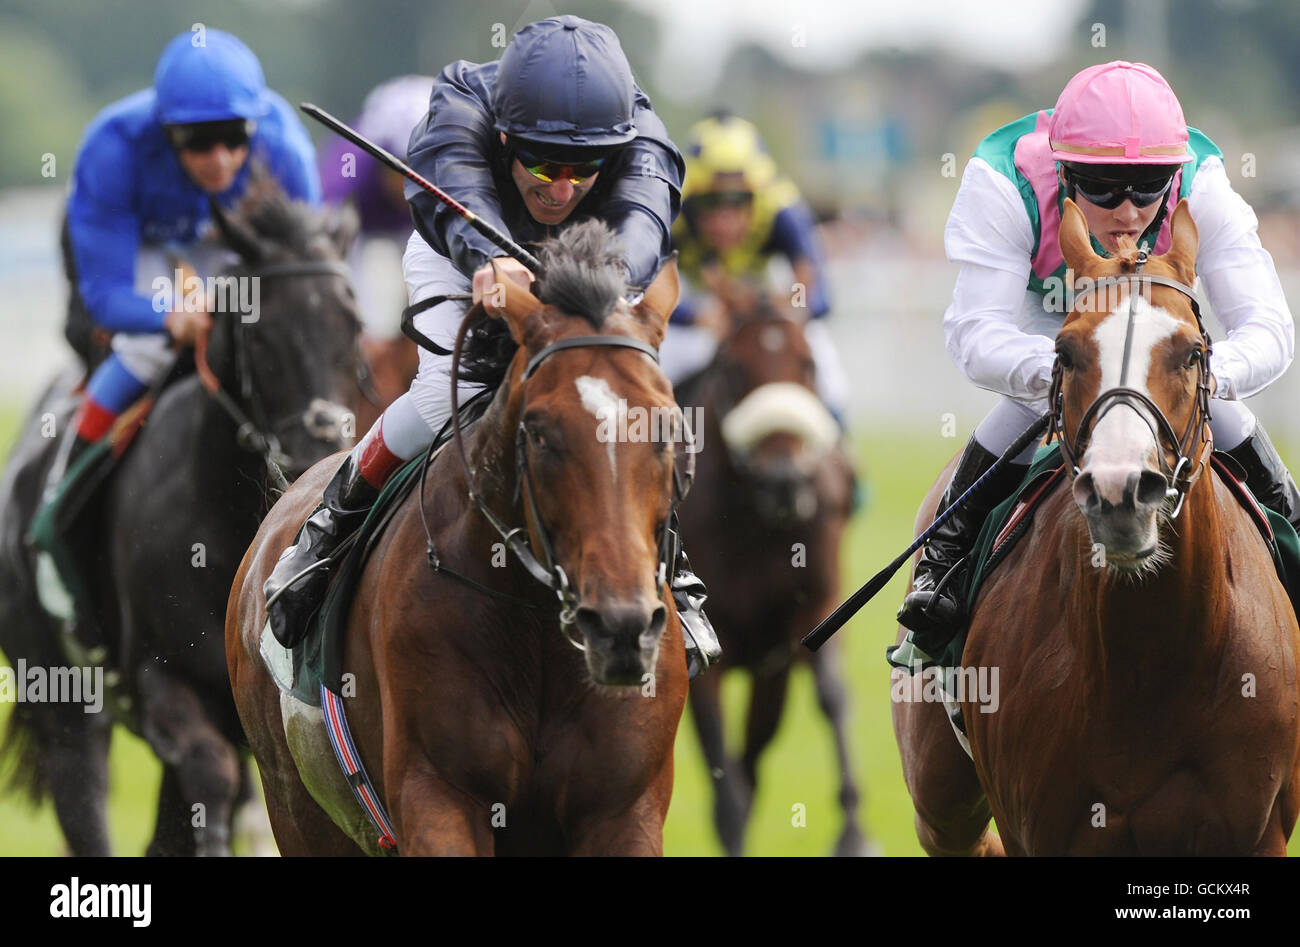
{"points": [[484, 730], [765, 521], [1147, 695]]}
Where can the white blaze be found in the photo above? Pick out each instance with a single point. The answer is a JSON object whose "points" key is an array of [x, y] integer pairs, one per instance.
{"points": [[598, 398], [1121, 441]]}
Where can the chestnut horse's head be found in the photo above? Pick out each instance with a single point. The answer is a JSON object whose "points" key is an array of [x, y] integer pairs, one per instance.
{"points": [[598, 436], [1131, 388], [776, 428]]}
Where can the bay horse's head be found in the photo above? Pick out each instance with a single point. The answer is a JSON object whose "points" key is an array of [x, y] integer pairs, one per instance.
{"points": [[776, 428], [596, 431], [1131, 388], [284, 341]]}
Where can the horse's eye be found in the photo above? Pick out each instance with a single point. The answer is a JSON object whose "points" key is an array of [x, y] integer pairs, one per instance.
{"points": [[1194, 358], [536, 438], [1065, 359]]}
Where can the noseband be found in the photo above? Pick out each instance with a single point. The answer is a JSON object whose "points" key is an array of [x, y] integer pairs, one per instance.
{"points": [[1183, 473], [546, 570]]}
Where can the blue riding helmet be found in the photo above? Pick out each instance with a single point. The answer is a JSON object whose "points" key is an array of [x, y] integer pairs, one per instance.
{"points": [[216, 81], [564, 84]]}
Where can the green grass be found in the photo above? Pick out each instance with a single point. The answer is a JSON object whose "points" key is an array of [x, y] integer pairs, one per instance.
{"points": [[799, 767]]}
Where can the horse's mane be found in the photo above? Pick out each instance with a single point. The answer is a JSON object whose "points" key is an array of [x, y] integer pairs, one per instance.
{"points": [[274, 218], [582, 274]]}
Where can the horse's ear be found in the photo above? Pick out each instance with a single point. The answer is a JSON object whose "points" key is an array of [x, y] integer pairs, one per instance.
{"points": [[1073, 237], [507, 299], [236, 236], [1184, 242], [659, 300], [343, 227]]}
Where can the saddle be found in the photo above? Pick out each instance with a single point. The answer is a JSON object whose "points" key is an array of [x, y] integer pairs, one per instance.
{"points": [[317, 659]]}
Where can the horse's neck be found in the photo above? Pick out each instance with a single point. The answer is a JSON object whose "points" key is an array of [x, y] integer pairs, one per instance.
{"points": [[491, 451], [1175, 616], [220, 463]]}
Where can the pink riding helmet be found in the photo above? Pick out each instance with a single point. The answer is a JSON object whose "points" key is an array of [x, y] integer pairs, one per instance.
{"points": [[1118, 113]]}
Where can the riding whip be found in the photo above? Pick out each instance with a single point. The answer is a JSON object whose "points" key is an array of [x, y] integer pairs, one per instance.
{"points": [[853, 604], [402, 168]]}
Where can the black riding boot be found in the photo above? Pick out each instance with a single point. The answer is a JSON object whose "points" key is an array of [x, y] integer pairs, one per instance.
{"points": [[689, 593], [938, 618], [1267, 476], [292, 596]]}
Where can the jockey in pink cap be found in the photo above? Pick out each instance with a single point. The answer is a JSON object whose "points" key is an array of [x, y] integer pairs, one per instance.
{"points": [[1116, 144]]}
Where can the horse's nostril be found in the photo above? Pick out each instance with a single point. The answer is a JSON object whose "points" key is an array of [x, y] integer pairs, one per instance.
{"points": [[1085, 492], [1151, 488], [658, 619], [589, 623], [622, 623]]}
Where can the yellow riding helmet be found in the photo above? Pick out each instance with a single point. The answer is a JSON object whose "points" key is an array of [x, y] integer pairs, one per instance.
{"points": [[727, 146]]}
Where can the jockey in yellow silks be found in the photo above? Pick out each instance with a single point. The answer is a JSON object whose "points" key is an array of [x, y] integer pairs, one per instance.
{"points": [[1117, 145], [738, 215]]}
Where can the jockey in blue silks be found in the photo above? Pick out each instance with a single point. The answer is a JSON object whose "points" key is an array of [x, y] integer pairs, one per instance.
{"points": [[143, 177], [554, 133]]}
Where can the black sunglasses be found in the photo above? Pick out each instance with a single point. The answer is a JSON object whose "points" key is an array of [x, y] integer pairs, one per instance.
{"points": [[1110, 194], [713, 199], [204, 136]]}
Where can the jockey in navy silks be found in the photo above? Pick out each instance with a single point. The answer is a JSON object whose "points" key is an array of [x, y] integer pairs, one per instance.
{"points": [[144, 174], [553, 133]]}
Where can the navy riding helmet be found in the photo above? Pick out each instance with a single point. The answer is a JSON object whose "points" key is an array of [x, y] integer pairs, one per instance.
{"points": [[564, 88]]}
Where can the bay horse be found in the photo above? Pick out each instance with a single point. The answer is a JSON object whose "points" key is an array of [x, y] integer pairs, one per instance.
{"points": [[484, 730], [1147, 698], [162, 538], [765, 520]]}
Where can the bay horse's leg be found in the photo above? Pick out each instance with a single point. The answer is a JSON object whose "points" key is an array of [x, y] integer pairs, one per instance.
{"points": [[300, 826], [730, 805], [73, 754], [1273, 842], [206, 764], [833, 700], [432, 817], [636, 832]]}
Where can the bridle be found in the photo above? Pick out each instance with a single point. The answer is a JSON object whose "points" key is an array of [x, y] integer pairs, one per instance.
{"points": [[253, 432], [1183, 473], [547, 570]]}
